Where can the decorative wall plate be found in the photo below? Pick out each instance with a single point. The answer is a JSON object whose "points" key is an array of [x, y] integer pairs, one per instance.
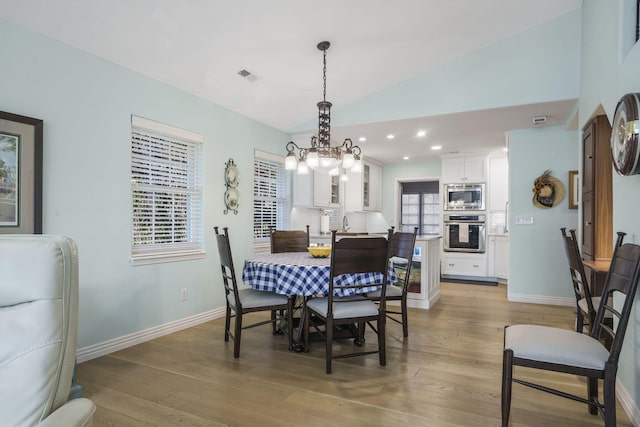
{"points": [[231, 195], [231, 198], [625, 134], [231, 175]]}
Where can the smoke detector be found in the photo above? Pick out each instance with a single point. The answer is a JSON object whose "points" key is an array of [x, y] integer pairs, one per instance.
{"points": [[538, 120]]}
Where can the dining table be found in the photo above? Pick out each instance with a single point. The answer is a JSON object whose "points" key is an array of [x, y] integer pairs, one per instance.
{"points": [[298, 274]]}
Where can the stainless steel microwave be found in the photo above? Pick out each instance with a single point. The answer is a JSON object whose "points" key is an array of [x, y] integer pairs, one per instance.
{"points": [[464, 197]]}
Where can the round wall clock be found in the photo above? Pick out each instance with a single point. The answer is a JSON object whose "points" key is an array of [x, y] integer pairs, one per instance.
{"points": [[624, 135]]}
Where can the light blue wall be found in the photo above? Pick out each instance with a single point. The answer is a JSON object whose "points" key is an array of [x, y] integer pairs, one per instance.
{"points": [[606, 76], [538, 65], [404, 172], [86, 104], [537, 262]]}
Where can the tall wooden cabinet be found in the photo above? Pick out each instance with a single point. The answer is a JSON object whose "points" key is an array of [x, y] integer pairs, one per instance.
{"points": [[597, 194]]}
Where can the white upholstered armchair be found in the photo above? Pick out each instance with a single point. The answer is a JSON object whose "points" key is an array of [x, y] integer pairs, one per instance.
{"points": [[38, 330]]}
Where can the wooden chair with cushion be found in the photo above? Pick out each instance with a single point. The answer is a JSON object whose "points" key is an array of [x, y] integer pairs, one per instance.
{"points": [[245, 300], [289, 240], [585, 304], [574, 353], [401, 246], [351, 256]]}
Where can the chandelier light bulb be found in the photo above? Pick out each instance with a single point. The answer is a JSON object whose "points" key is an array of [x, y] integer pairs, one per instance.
{"points": [[313, 161], [303, 169], [344, 177], [348, 160], [357, 166], [290, 162], [334, 172], [326, 162]]}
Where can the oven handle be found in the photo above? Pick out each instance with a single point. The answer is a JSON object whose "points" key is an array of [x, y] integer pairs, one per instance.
{"points": [[465, 222]]}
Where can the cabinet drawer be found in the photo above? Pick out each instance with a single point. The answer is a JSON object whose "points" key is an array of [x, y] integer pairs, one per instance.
{"points": [[464, 266]]}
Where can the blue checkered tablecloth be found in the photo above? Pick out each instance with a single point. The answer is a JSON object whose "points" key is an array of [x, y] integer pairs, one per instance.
{"points": [[298, 273]]}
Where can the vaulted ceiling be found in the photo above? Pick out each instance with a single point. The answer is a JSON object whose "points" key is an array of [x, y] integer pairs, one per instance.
{"points": [[199, 46]]}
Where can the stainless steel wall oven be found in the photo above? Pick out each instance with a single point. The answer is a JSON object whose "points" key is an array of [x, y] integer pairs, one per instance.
{"points": [[464, 232]]}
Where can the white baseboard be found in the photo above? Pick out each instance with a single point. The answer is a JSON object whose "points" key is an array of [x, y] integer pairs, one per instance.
{"points": [[100, 349], [541, 299], [627, 403]]}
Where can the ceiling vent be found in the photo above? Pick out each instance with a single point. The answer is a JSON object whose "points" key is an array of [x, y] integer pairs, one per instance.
{"points": [[538, 120], [247, 75]]}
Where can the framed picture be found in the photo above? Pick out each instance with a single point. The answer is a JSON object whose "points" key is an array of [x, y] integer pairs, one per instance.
{"points": [[574, 181], [20, 174]]}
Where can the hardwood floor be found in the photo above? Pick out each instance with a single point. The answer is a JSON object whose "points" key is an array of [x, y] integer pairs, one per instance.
{"points": [[446, 373]]}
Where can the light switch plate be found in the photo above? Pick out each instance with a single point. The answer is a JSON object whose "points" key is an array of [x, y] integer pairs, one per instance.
{"points": [[524, 219]]}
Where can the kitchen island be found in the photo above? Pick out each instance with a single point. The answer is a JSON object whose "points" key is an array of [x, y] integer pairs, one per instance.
{"points": [[424, 282]]}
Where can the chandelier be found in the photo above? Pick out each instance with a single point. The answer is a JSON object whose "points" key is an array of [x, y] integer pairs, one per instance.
{"points": [[321, 156]]}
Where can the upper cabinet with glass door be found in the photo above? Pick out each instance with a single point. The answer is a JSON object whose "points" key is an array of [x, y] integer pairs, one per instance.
{"points": [[363, 191], [326, 190]]}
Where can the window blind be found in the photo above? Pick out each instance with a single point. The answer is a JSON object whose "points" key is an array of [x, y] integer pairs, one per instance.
{"points": [[271, 197], [166, 191]]}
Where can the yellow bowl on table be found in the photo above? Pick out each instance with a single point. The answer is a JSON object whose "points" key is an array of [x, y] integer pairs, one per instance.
{"points": [[319, 251]]}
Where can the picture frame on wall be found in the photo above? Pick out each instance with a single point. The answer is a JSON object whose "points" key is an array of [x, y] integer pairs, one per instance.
{"points": [[574, 181], [21, 140]]}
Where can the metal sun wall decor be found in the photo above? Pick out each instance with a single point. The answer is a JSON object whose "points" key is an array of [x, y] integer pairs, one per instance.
{"points": [[231, 196], [547, 191]]}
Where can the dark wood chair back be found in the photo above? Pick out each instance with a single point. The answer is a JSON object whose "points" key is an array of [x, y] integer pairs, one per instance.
{"points": [[622, 279], [289, 240], [226, 265], [401, 245], [578, 278], [358, 255]]}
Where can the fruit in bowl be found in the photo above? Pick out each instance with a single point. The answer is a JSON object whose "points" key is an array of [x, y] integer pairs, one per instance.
{"points": [[319, 251]]}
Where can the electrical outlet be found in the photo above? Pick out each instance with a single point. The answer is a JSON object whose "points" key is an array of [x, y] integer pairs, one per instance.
{"points": [[183, 294], [524, 219]]}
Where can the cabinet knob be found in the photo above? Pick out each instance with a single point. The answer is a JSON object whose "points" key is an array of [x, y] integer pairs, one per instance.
{"points": [[475, 266], [589, 157]]}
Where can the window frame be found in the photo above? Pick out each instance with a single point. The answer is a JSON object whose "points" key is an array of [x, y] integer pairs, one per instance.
{"points": [[282, 199], [421, 206], [167, 206]]}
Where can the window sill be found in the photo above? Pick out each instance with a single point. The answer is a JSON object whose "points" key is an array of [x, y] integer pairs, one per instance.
{"points": [[168, 257]]}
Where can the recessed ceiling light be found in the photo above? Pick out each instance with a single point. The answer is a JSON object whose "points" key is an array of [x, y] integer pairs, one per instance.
{"points": [[505, 149], [421, 133], [362, 139], [405, 158], [436, 147], [390, 136]]}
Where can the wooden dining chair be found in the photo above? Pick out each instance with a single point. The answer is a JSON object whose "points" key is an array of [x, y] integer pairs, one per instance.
{"points": [[246, 300], [401, 246], [289, 240], [351, 258], [574, 353], [585, 305]]}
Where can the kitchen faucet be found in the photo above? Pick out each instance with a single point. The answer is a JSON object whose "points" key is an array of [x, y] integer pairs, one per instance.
{"points": [[345, 223]]}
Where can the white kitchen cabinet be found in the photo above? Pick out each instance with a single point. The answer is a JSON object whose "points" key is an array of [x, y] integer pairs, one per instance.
{"points": [[326, 190], [363, 191], [498, 187], [303, 190], [463, 169], [375, 188], [463, 264], [498, 257]]}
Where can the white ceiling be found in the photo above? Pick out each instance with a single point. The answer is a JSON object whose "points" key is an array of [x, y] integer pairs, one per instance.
{"points": [[200, 45]]}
